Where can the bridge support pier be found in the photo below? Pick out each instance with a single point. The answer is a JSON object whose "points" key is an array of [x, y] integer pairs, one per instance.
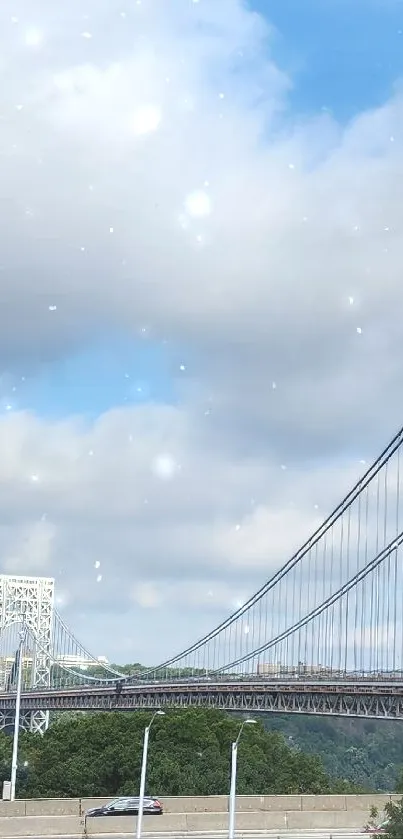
{"points": [[29, 601]]}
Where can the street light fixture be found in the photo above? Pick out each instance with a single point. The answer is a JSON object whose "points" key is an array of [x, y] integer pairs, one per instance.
{"points": [[14, 759], [232, 794], [144, 770]]}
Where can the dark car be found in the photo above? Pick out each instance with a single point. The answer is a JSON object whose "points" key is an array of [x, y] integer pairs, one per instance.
{"points": [[127, 807]]}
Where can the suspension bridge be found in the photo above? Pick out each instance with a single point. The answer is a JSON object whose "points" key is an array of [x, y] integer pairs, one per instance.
{"points": [[322, 636]]}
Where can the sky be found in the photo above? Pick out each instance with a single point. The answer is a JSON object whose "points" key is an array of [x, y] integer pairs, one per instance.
{"points": [[200, 295]]}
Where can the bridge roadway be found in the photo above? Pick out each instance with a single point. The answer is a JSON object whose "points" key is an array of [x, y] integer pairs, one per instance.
{"points": [[374, 699]]}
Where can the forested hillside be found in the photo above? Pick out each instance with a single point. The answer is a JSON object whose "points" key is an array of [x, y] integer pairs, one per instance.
{"points": [[100, 755], [366, 752]]}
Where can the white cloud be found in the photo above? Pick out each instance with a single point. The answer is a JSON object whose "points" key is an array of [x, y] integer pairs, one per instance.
{"points": [[31, 550], [265, 532], [237, 235], [125, 138], [146, 595], [198, 544]]}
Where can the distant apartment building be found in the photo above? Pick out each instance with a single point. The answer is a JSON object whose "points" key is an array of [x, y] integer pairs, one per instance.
{"points": [[80, 662], [73, 662], [279, 669], [6, 664]]}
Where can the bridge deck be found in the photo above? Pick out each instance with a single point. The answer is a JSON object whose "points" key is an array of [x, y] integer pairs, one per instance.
{"points": [[371, 699]]}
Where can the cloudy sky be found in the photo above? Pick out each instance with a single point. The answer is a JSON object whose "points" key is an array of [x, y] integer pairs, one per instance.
{"points": [[201, 295]]}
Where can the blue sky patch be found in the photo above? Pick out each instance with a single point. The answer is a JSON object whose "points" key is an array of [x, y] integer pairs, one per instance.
{"points": [[118, 373], [343, 57]]}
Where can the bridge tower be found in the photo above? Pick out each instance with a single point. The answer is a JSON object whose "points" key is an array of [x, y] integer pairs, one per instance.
{"points": [[30, 600]]}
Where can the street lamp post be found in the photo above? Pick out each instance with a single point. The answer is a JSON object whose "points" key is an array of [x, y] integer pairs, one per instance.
{"points": [[232, 794], [14, 759], [144, 771]]}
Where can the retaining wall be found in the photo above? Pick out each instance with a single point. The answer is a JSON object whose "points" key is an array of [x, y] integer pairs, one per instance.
{"points": [[64, 817]]}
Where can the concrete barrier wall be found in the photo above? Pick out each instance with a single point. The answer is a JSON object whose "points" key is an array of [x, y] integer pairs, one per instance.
{"points": [[267, 803], [326, 820], [53, 807], [207, 804], [41, 826], [12, 808], [364, 802], [179, 823], [188, 822], [170, 823], [324, 815], [198, 804], [252, 803], [211, 822]]}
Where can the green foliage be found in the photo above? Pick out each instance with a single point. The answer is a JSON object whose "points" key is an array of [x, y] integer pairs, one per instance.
{"points": [[368, 753], [373, 820], [399, 782], [5, 757], [394, 812], [100, 755]]}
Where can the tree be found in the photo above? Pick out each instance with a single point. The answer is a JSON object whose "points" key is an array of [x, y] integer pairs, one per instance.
{"points": [[399, 782], [367, 753], [100, 755], [394, 828]]}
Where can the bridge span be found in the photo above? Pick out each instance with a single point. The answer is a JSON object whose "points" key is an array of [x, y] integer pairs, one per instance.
{"points": [[372, 699], [323, 635]]}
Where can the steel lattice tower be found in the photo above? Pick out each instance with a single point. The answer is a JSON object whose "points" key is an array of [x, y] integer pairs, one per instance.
{"points": [[30, 600]]}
